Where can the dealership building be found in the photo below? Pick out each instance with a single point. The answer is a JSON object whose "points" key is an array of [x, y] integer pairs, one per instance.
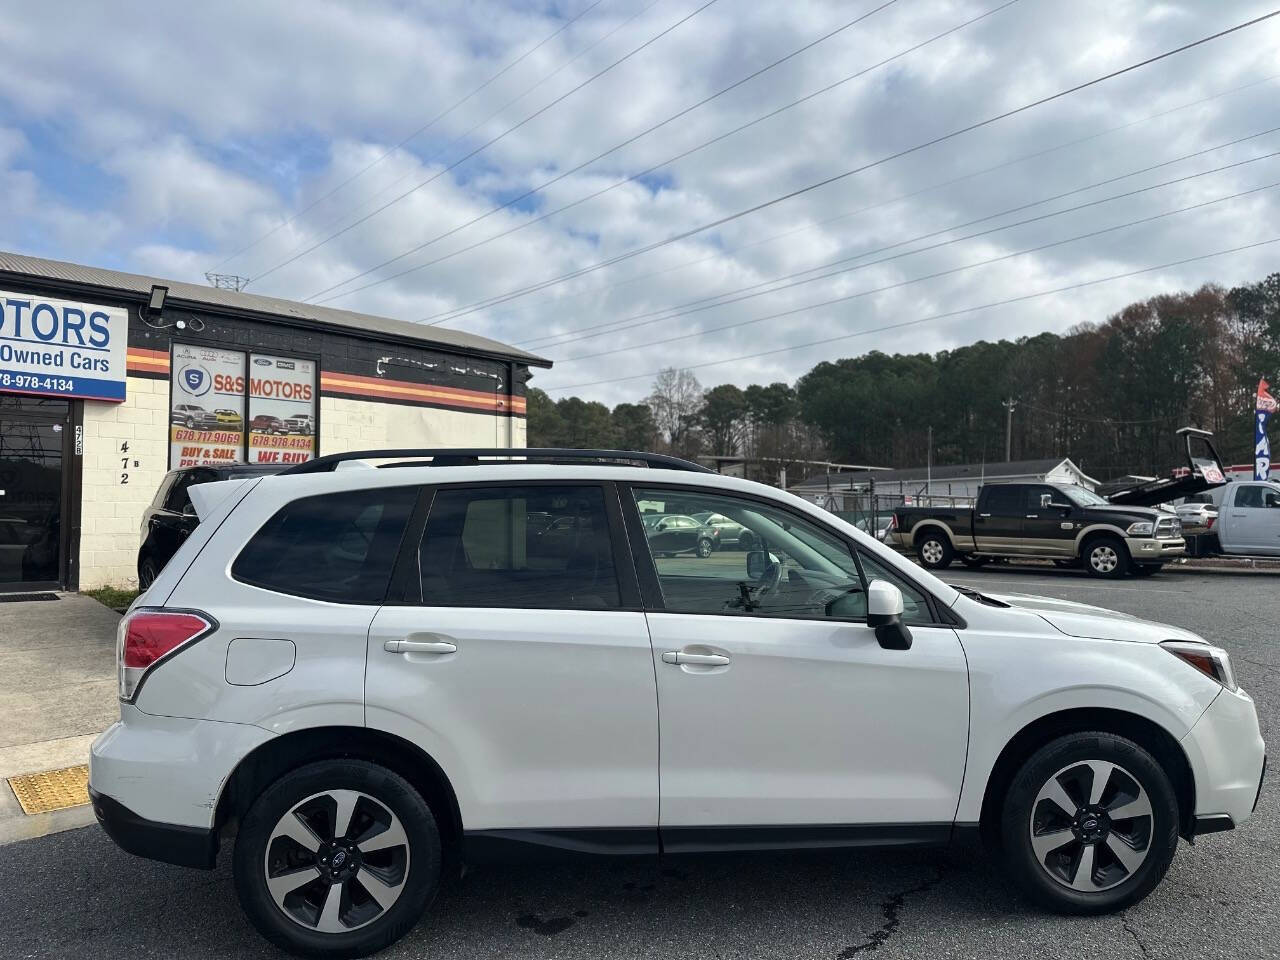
{"points": [[108, 380]]}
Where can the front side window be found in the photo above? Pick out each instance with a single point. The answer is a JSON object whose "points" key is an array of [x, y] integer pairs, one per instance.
{"points": [[338, 547], [542, 547], [800, 570]]}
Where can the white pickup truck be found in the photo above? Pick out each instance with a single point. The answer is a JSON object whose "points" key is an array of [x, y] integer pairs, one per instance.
{"points": [[1249, 518]]}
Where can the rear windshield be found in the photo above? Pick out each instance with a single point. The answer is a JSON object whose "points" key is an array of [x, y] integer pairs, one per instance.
{"points": [[338, 547]]}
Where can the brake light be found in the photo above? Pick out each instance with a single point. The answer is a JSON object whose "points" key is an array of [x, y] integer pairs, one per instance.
{"points": [[145, 638], [1208, 524]]}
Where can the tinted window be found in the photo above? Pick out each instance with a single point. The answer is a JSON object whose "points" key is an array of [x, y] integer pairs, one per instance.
{"points": [[337, 546], [482, 549], [1036, 498], [1005, 501]]}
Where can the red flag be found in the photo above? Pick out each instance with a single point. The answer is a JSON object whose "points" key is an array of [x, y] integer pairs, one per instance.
{"points": [[1265, 402]]}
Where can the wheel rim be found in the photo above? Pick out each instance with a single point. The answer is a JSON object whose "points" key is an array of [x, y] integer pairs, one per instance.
{"points": [[337, 861], [1091, 826], [1104, 558], [148, 574], [931, 550], [704, 548]]}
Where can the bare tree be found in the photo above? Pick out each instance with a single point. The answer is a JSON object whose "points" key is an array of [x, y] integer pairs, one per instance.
{"points": [[676, 400]]}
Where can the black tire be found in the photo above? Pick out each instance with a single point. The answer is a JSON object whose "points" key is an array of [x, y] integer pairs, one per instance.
{"points": [[934, 550], [419, 871], [1105, 557], [147, 572], [972, 562], [189, 423], [1110, 886], [1147, 569], [704, 548]]}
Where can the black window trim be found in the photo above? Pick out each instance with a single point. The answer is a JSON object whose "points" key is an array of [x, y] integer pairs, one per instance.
{"points": [[406, 577], [651, 587]]}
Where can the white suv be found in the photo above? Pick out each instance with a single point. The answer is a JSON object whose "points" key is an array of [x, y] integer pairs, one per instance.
{"points": [[370, 676]]}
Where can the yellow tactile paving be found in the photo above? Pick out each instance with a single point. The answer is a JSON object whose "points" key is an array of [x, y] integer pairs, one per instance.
{"points": [[52, 790]]}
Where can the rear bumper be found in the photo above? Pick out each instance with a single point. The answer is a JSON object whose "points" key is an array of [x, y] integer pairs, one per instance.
{"points": [[167, 842]]}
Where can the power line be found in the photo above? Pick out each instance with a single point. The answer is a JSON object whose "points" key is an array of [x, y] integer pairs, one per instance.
{"points": [[937, 316], [422, 129], [462, 137], [491, 141], [600, 156], [657, 166], [883, 203], [602, 264], [737, 296], [933, 276]]}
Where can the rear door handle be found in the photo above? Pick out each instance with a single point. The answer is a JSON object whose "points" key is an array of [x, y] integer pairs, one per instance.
{"points": [[420, 646], [984, 515], [695, 659]]}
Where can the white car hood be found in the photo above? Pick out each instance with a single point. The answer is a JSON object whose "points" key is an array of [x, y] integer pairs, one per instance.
{"points": [[1095, 623]]}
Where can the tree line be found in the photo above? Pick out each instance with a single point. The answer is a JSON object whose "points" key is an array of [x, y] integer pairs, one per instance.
{"points": [[1109, 395]]}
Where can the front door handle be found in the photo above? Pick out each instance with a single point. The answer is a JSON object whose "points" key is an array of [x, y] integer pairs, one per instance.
{"points": [[694, 659], [420, 646], [983, 516]]}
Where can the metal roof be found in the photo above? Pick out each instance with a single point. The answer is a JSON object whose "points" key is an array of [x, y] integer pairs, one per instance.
{"points": [[964, 471], [200, 295]]}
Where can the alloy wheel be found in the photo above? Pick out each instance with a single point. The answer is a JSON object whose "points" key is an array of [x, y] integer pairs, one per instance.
{"points": [[337, 861], [1103, 558], [931, 551], [1091, 826]]}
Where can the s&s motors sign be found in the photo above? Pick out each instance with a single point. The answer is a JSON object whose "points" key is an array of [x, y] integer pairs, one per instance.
{"points": [[61, 348]]}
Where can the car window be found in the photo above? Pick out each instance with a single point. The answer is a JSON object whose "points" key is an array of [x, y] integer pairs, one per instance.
{"points": [[480, 550], [801, 571], [1247, 497], [1004, 501], [1035, 498], [337, 546]]}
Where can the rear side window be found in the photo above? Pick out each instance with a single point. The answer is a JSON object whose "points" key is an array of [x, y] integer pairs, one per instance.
{"points": [[337, 546], [538, 547], [1004, 500]]}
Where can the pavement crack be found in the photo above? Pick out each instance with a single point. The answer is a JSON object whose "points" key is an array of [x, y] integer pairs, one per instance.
{"points": [[891, 910], [1137, 937]]}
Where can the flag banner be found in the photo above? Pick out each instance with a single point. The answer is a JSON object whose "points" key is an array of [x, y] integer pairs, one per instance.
{"points": [[1263, 407]]}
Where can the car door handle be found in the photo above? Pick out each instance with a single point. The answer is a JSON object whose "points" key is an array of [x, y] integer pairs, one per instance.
{"points": [[420, 646], [695, 659], [1033, 516], [983, 516]]}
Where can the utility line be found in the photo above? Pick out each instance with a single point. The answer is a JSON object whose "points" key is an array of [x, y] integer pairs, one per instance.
{"points": [[651, 169], [463, 137], [932, 276], [600, 156], [937, 316], [491, 141], [421, 130], [737, 296], [599, 265]]}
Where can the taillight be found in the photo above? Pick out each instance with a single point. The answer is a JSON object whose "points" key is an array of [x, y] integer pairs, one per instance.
{"points": [[1208, 524], [146, 638]]}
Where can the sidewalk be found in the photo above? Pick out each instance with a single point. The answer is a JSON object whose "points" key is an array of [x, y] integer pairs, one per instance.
{"points": [[57, 693]]}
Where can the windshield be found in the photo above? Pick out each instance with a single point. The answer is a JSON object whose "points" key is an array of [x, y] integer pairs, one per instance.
{"points": [[1083, 497]]}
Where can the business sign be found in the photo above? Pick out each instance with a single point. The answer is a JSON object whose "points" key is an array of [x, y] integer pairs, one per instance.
{"points": [[1264, 406], [61, 348], [206, 406], [282, 409]]}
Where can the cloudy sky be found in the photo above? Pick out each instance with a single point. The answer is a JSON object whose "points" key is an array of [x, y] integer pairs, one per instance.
{"points": [[306, 143]]}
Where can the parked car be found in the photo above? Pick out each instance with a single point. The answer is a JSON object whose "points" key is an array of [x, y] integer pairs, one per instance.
{"points": [[192, 416], [1054, 521], [228, 418], [1197, 510], [325, 670], [301, 423], [673, 533], [729, 533], [1249, 519], [883, 522], [170, 518], [265, 423]]}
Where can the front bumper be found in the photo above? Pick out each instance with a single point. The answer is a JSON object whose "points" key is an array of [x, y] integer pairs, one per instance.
{"points": [[1155, 549], [166, 842], [1228, 757]]}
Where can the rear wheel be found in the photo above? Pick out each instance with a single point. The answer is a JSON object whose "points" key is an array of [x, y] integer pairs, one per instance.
{"points": [[147, 572], [969, 560], [705, 547], [935, 551], [1106, 557], [337, 859], [1090, 824]]}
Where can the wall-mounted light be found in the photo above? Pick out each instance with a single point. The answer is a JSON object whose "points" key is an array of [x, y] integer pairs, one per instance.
{"points": [[156, 303]]}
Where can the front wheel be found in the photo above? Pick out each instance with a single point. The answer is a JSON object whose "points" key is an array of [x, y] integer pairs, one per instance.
{"points": [[704, 548], [935, 551], [972, 562], [1106, 557], [1090, 824], [337, 859]]}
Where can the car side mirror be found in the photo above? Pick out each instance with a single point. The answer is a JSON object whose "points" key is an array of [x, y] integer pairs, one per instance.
{"points": [[758, 562], [884, 615]]}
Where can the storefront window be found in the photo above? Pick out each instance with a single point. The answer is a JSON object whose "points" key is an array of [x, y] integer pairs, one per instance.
{"points": [[282, 414]]}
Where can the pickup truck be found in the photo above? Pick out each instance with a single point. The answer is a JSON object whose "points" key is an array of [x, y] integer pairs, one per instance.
{"points": [[1248, 523], [1061, 522]]}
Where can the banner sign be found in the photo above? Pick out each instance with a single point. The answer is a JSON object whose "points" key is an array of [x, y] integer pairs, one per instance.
{"points": [[1263, 407], [60, 348], [282, 409], [206, 406]]}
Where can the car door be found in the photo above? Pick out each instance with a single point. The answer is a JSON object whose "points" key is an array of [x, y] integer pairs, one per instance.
{"points": [[782, 720], [523, 668], [997, 520], [1047, 530], [1250, 525]]}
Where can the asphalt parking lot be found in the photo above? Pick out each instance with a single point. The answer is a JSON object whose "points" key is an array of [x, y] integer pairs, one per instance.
{"points": [[74, 893]]}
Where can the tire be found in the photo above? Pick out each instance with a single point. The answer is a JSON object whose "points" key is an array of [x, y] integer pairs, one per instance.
{"points": [[1106, 557], [1147, 569], [935, 551], [704, 548], [189, 423], [147, 572], [972, 562], [1051, 874], [747, 541], [409, 870]]}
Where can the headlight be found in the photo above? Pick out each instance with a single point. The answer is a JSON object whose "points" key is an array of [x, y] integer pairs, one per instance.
{"points": [[1143, 528], [1213, 662]]}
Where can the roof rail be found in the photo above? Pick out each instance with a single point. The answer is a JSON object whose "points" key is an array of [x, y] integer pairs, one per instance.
{"points": [[458, 457]]}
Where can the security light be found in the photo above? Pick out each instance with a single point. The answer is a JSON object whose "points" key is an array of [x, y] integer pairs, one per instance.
{"points": [[156, 303]]}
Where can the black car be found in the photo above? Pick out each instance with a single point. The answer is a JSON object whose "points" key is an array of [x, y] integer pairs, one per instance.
{"points": [[730, 532], [170, 518], [674, 533]]}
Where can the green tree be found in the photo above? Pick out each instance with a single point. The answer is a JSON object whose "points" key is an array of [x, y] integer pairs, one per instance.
{"points": [[723, 408], [633, 426]]}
